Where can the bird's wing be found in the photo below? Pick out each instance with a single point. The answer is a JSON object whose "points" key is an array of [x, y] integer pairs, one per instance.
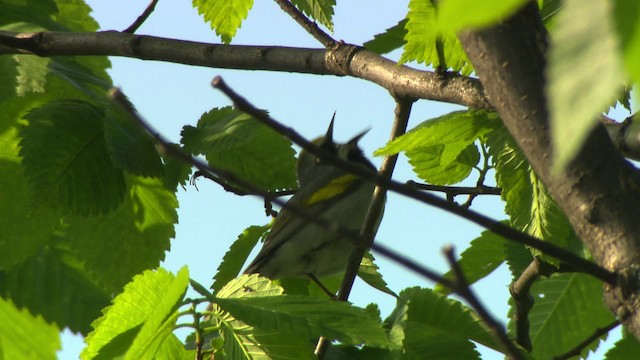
{"points": [[316, 198]]}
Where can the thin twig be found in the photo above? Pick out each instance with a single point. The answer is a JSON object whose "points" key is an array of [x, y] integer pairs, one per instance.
{"points": [[483, 174], [199, 338], [497, 227], [519, 291], [268, 207], [463, 289], [457, 190], [593, 337], [225, 186], [414, 266], [311, 27], [142, 18]]}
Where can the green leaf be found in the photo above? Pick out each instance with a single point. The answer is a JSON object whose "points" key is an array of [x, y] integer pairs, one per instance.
{"points": [[60, 15], [421, 38], [54, 283], [444, 164], [369, 273], [237, 255], [567, 309], [528, 203], [243, 341], [87, 74], [130, 146], [306, 317], [64, 154], [87, 81], [136, 332], [319, 10], [39, 12], [391, 39], [24, 336], [173, 348], [442, 150], [442, 328], [464, 126], [32, 73], [455, 15], [176, 172], [626, 348], [423, 341], [156, 333], [225, 16], [583, 72], [238, 143], [24, 228], [627, 22], [481, 258], [75, 16], [129, 240]]}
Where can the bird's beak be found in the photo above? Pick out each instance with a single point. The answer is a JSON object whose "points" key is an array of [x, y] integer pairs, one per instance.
{"points": [[354, 141], [328, 137]]}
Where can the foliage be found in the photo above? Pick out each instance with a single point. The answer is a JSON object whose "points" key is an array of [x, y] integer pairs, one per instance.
{"points": [[89, 205]]}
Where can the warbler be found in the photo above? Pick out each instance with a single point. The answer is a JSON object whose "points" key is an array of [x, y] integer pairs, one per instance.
{"points": [[296, 247]]}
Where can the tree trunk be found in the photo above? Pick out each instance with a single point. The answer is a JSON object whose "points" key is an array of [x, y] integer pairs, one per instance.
{"points": [[598, 191]]}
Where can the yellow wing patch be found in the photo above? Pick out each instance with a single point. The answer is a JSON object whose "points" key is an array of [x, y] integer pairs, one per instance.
{"points": [[334, 188]]}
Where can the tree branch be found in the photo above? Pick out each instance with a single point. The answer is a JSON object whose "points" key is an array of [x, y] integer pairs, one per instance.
{"points": [[142, 18], [599, 191], [519, 291], [481, 178], [340, 60], [451, 191]]}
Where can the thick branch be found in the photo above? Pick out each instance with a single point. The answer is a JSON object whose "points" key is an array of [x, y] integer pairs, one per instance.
{"points": [[341, 59], [599, 190]]}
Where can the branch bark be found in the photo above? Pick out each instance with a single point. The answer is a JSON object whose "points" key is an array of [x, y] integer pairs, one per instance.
{"points": [[599, 189], [340, 60]]}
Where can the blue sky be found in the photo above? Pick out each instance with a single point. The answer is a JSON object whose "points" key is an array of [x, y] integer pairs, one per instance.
{"points": [[170, 96]]}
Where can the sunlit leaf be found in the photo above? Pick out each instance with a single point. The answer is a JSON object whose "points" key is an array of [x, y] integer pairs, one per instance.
{"points": [[136, 332], [421, 37], [24, 336], [234, 141], [319, 10], [225, 16]]}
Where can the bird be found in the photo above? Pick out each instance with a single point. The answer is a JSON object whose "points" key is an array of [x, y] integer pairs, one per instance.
{"points": [[296, 247]]}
